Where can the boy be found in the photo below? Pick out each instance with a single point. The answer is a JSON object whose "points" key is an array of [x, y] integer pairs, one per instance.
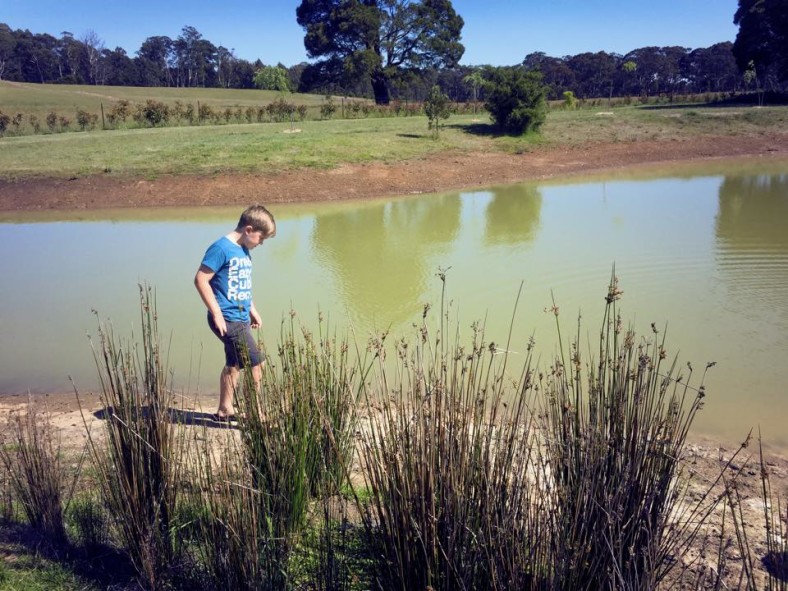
{"points": [[224, 282]]}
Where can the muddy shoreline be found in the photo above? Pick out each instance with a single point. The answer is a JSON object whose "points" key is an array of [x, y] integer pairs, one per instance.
{"points": [[441, 172]]}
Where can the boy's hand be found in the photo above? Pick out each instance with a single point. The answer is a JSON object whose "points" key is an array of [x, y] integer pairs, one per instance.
{"points": [[221, 325], [256, 320]]}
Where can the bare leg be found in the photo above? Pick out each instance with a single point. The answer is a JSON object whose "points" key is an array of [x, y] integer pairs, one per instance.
{"points": [[228, 381]]}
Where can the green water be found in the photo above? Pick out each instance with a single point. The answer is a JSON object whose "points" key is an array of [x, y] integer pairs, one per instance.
{"points": [[704, 254]]}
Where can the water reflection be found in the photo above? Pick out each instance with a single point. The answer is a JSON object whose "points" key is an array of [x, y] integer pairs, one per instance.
{"points": [[753, 242], [512, 215], [379, 254], [707, 254]]}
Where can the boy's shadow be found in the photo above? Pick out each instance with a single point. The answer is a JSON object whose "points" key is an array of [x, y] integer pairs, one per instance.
{"points": [[177, 416]]}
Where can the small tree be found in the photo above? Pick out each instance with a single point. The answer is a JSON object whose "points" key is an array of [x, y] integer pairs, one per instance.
{"points": [[436, 107], [272, 78], [516, 99], [475, 81], [570, 100]]}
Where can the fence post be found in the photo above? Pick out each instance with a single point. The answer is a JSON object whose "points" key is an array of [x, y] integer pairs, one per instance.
{"points": [[103, 127]]}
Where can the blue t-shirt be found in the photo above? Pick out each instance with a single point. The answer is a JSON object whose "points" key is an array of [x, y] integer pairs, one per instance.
{"points": [[232, 282]]}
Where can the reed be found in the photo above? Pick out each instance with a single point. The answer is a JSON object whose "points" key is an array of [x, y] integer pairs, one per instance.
{"points": [[139, 464], [451, 462], [772, 552], [614, 438], [37, 477], [235, 539], [563, 478], [294, 442]]}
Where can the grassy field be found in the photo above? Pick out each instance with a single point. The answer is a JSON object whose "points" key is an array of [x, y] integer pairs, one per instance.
{"points": [[271, 147], [39, 99]]}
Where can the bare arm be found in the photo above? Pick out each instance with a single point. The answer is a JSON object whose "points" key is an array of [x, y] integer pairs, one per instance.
{"points": [[202, 283], [255, 317]]}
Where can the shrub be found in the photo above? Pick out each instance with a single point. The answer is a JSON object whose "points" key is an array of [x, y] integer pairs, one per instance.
{"points": [[176, 112], [515, 100], [64, 122], [280, 110], [86, 120], [155, 112], [35, 124], [52, 121], [121, 110], [204, 112], [188, 113], [4, 121], [328, 108]]}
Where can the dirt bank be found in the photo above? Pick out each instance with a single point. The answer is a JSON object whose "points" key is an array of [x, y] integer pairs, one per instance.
{"points": [[442, 172]]}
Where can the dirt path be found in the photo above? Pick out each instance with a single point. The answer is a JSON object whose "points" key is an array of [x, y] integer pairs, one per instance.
{"points": [[442, 172]]}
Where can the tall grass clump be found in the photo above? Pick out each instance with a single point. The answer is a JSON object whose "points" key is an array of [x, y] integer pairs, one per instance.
{"points": [[139, 464], [37, 477], [295, 442], [567, 477], [614, 439], [772, 552], [452, 466]]}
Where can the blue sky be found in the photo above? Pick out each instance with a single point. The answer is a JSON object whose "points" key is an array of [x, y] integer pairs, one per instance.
{"points": [[497, 32]]}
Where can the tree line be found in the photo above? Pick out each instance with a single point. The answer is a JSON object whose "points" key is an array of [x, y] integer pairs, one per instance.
{"points": [[401, 51]]}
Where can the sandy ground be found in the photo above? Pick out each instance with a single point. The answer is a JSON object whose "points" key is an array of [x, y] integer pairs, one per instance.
{"points": [[437, 173], [704, 461]]}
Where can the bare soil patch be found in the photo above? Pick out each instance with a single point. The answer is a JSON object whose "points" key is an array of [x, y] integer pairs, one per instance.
{"points": [[440, 172]]}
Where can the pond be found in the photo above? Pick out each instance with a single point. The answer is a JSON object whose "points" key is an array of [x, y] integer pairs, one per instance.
{"points": [[702, 252]]}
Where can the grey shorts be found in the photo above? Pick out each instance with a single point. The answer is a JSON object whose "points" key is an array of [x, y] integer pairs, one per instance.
{"points": [[240, 347]]}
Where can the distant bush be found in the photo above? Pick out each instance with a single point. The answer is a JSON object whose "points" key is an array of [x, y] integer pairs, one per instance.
{"points": [[516, 100], [4, 121], [204, 113], [328, 108], [155, 112], [570, 100], [86, 120], [176, 112], [120, 110], [188, 113], [280, 110], [52, 121]]}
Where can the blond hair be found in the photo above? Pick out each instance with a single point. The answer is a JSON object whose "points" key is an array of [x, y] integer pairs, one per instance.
{"points": [[259, 218]]}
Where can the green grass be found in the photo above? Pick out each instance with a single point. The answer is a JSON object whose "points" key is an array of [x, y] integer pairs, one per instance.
{"points": [[258, 147], [40, 99], [271, 147], [31, 573]]}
